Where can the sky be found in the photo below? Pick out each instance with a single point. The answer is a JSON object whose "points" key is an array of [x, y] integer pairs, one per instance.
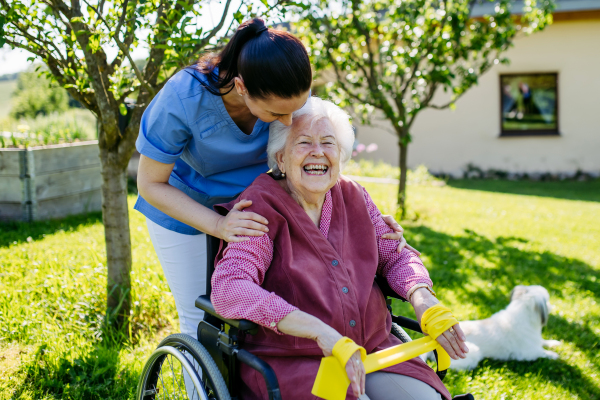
{"points": [[12, 61]]}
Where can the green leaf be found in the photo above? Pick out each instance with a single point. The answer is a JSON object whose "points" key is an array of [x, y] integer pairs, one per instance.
{"points": [[238, 16], [123, 109], [2, 38]]}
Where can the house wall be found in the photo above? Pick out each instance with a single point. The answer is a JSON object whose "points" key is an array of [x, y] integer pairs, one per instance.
{"points": [[446, 141]]}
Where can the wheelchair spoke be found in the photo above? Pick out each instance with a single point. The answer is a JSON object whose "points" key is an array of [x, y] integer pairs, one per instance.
{"points": [[193, 373], [165, 391], [195, 392], [175, 381]]}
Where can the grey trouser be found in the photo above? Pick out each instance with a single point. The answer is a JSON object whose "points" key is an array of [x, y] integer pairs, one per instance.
{"points": [[388, 386]]}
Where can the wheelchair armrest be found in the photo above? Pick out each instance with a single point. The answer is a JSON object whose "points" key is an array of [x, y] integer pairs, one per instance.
{"points": [[386, 289], [203, 302]]}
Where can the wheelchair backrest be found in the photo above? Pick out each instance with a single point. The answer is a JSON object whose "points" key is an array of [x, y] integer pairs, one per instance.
{"points": [[212, 249]]}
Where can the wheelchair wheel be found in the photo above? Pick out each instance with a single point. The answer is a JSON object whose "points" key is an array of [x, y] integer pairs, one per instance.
{"points": [[181, 368], [400, 333]]}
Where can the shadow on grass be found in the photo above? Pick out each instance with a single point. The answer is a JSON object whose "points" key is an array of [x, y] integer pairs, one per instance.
{"points": [[458, 261], [557, 372], [96, 375], [570, 190], [482, 272], [11, 232], [579, 334]]}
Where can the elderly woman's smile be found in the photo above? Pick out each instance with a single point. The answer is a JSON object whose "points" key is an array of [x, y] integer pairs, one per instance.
{"points": [[316, 169]]}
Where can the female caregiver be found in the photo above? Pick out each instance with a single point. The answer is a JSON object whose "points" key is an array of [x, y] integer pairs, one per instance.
{"points": [[203, 140]]}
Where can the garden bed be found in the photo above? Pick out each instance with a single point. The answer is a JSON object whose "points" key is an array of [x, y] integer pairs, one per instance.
{"points": [[43, 182]]}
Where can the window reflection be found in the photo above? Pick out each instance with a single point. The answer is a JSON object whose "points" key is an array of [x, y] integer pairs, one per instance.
{"points": [[529, 104]]}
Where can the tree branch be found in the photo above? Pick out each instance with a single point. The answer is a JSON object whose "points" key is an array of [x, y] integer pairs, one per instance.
{"points": [[125, 51], [121, 18], [216, 29], [53, 66], [365, 33], [444, 106], [129, 36]]}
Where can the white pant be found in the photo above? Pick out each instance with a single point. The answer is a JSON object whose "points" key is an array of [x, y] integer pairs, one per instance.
{"points": [[183, 260]]}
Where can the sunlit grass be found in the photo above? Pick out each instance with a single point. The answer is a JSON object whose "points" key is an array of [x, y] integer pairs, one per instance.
{"points": [[52, 301], [477, 245]]}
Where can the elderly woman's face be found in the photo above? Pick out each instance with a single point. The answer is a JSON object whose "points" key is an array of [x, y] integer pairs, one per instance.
{"points": [[311, 157]]}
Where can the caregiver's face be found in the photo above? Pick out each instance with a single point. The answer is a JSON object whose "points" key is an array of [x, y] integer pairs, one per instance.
{"points": [[275, 108], [311, 157]]}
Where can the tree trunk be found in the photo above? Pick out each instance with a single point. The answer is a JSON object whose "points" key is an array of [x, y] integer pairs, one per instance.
{"points": [[402, 185], [115, 215]]}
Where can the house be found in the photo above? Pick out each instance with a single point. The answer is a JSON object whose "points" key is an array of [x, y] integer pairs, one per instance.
{"points": [[540, 114]]}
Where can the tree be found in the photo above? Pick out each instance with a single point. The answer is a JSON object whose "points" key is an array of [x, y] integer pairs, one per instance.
{"points": [[393, 56], [75, 40], [35, 95]]}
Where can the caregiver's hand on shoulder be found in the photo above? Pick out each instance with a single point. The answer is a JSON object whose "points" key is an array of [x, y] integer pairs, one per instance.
{"points": [[237, 224], [398, 234], [453, 339]]}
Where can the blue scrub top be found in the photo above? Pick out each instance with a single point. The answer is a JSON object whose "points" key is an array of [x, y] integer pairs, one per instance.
{"points": [[214, 160]]}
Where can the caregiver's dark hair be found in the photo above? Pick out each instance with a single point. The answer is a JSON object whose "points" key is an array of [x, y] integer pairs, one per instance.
{"points": [[270, 61]]}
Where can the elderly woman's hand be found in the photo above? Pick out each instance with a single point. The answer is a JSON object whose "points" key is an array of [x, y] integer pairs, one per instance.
{"points": [[398, 234], [354, 367], [300, 324], [452, 342]]}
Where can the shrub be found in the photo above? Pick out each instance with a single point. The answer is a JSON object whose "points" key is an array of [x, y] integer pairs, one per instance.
{"points": [[418, 176], [72, 126], [36, 95]]}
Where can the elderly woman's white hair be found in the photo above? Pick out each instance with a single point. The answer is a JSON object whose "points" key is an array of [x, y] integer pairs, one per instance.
{"points": [[314, 109]]}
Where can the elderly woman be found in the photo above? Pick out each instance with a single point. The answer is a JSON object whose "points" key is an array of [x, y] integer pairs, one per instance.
{"points": [[309, 280]]}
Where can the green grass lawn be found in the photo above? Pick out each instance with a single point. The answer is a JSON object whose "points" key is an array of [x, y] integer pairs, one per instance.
{"points": [[479, 239]]}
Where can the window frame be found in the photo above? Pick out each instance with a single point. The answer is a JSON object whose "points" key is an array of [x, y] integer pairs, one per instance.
{"points": [[529, 132]]}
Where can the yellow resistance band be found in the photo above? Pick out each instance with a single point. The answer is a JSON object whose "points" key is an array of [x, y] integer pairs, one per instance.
{"points": [[437, 320], [332, 380]]}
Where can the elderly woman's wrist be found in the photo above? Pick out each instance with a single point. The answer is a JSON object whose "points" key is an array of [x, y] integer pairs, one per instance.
{"points": [[423, 297]]}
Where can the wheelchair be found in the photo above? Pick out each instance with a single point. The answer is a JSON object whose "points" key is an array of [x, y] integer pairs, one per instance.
{"points": [[184, 368]]}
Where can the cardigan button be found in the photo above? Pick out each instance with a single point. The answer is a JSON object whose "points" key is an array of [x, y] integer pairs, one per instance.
{"points": [[345, 289], [335, 263], [352, 323]]}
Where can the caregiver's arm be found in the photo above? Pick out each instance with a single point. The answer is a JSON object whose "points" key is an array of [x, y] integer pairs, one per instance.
{"points": [[154, 187]]}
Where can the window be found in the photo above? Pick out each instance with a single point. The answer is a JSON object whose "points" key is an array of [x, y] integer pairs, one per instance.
{"points": [[529, 104]]}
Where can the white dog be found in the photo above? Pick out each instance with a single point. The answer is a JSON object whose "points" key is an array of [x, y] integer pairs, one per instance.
{"points": [[511, 334]]}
